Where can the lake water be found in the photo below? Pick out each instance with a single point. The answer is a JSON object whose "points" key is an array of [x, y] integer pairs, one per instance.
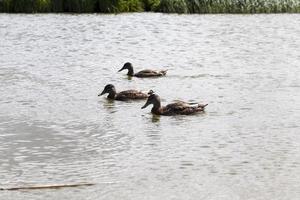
{"points": [[54, 129]]}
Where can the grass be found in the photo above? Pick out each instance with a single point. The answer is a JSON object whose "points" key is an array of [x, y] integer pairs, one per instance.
{"points": [[165, 6]]}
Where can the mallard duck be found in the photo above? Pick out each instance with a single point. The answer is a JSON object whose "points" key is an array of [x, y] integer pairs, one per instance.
{"points": [[144, 73], [178, 108], [124, 95]]}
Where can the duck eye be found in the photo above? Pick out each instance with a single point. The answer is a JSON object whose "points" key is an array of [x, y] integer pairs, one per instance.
{"points": [[151, 92]]}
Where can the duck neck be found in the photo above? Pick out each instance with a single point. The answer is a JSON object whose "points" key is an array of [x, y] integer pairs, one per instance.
{"points": [[156, 107], [112, 94], [130, 71]]}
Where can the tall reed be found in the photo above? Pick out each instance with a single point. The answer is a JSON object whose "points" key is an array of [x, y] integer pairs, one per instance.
{"points": [[173, 6], [129, 6], [243, 6], [151, 5]]}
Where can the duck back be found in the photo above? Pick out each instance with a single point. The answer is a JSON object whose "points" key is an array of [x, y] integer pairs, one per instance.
{"points": [[130, 95]]}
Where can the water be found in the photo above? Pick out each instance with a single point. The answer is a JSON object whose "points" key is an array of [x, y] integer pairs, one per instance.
{"points": [[54, 129]]}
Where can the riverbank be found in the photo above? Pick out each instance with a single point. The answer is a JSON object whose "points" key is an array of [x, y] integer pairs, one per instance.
{"points": [[165, 6]]}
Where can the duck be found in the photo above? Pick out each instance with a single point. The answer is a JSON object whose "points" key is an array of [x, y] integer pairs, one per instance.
{"points": [[124, 95], [177, 108], [144, 73]]}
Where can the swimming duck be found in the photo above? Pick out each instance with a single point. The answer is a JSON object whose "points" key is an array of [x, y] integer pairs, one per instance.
{"points": [[144, 73], [178, 108], [124, 95]]}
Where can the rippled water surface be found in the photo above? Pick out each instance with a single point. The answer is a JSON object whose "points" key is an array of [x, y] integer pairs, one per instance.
{"points": [[54, 129]]}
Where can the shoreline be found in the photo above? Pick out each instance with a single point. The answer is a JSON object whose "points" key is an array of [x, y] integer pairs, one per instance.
{"points": [[161, 6]]}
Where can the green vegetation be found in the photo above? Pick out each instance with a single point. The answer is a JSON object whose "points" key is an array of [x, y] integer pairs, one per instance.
{"points": [[166, 6]]}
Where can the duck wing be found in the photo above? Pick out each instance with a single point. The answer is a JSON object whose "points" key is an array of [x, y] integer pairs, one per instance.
{"points": [[150, 73], [182, 108], [130, 94], [190, 103]]}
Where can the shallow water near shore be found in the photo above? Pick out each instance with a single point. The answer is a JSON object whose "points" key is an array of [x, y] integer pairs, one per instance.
{"points": [[54, 129]]}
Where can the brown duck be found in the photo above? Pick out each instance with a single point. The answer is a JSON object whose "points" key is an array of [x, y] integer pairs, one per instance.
{"points": [[144, 73], [124, 95], [178, 108]]}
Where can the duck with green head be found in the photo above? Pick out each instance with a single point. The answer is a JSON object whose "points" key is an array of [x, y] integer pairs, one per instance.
{"points": [[178, 108], [144, 73], [124, 95]]}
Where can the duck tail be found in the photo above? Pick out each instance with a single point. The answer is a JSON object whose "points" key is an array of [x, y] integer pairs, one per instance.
{"points": [[163, 72], [202, 105]]}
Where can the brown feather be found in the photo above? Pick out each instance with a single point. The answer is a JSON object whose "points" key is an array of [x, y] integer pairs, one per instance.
{"points": [[177, 108], [130, 95], [150, 73]]}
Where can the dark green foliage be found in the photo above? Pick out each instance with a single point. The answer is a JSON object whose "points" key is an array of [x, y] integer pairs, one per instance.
{"points": [[27, 6], [167, 6], [21, 6], [57, 5], [130, 6], [173, 6], [151, 5], [78, 6], [4, 6], [105, 6], [42, 6]]}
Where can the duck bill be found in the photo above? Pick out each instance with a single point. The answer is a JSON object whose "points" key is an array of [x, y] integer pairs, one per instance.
{"points": [[102, 93], [121, 69], [146, 104]]}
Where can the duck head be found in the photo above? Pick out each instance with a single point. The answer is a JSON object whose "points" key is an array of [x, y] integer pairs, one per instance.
{"points": [[109, 88], [152, 99], [129, 67]]}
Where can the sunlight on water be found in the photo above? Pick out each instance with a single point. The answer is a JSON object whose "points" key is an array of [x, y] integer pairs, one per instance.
{"points": [[54, 129]]}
